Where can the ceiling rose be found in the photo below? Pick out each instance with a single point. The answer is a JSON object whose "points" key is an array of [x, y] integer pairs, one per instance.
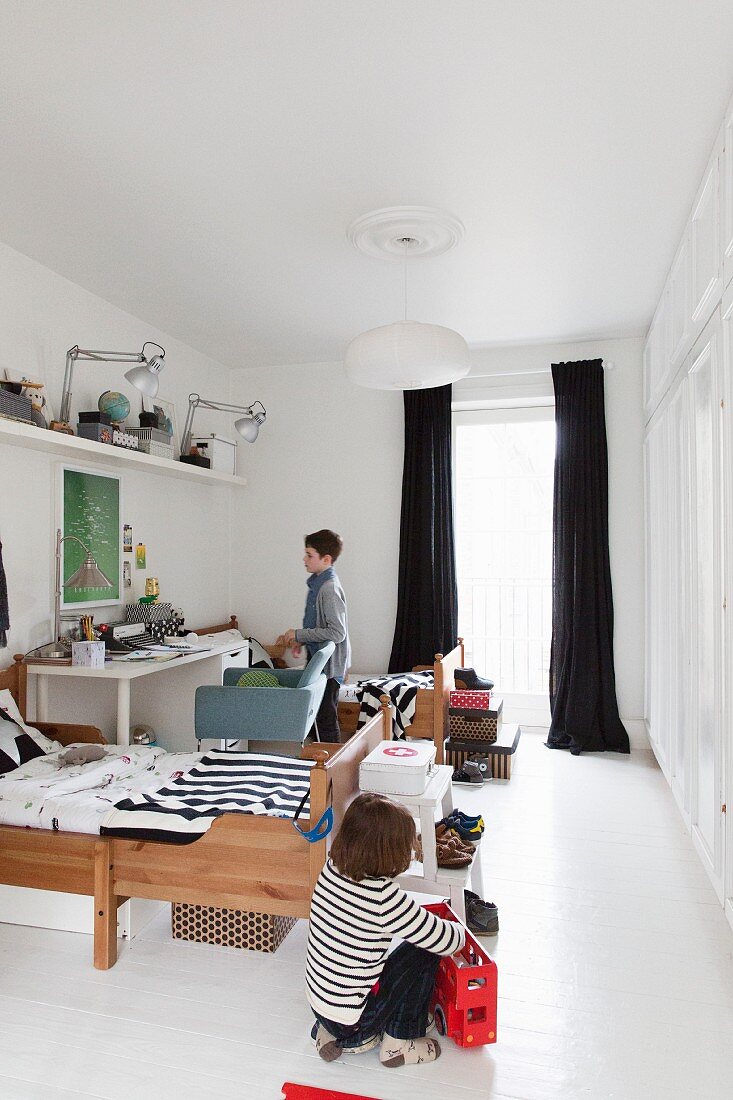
{"points": [[383, 233]]}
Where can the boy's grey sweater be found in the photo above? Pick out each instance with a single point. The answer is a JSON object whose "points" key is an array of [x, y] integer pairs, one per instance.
{"points": [[332, 625]]}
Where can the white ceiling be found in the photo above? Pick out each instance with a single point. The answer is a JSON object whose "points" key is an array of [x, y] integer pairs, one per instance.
{"points": [[198, 163]]}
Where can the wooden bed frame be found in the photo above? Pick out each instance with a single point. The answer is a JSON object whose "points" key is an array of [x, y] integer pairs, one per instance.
{"points": [[431, 706], [259, 864]]}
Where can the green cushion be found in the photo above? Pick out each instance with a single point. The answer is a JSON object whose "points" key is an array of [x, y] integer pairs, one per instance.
{"points": [[258, 678]]}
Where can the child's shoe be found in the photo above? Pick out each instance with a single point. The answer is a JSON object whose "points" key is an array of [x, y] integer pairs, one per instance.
{"points": [[482, 917], [407, 1052], [470, 773], [472, 682], [328, 1047], [471, 830], [466, 820]]}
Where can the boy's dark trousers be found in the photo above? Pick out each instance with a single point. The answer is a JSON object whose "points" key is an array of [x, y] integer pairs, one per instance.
{"points": [[327, 718], [401, 1002]]}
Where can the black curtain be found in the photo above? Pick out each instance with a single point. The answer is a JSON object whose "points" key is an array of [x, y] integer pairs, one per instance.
{"points": [[583, 703], [427, 597]]}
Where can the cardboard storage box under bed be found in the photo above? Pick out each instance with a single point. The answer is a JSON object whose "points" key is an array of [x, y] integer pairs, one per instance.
{"points": [[244, 862]]}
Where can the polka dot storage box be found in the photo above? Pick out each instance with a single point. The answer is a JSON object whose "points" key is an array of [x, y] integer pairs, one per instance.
{"points": [[229, 927]]}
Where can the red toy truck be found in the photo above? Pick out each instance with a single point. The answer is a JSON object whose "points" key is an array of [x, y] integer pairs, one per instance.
{"points": [[464, 997]]}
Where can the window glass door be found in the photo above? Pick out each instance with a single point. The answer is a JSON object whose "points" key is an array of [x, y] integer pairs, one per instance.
{"points": [[504, 466]]}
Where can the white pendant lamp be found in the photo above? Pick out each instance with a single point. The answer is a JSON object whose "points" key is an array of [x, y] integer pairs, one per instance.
{"points": [[406, 355]]}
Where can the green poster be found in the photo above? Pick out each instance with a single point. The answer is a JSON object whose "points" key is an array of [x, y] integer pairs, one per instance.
{"points": [[91, 512]]}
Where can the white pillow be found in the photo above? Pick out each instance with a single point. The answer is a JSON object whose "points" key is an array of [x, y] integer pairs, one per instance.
{"points": [[7, 703]]}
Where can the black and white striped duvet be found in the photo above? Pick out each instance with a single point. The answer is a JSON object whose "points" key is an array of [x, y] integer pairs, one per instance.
{"points": [[220, 783], [402, 689]]}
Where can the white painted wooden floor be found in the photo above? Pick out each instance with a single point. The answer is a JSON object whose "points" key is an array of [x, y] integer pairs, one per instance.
{"points": [[615, 971]]}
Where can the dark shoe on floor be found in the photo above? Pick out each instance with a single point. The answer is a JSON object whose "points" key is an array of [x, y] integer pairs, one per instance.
{"points": [[468, 821], [483, 762], [470, 773], [472, 682], [482, 917]]}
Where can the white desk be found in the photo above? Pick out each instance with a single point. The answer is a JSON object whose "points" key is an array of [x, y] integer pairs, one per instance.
{"points": [[428, 878], [125, 673]]}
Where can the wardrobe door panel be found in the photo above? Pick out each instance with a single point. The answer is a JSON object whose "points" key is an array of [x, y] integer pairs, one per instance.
{"points": [[679, 600], [705, 248], [727, 198], [679, 294], [706, 506]]}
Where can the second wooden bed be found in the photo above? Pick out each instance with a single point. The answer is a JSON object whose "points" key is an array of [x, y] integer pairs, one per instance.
{"points": [[258, 864]]}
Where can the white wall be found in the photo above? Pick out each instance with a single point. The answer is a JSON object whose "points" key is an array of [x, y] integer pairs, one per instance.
{"points": [[184, 525], [330, 455]]}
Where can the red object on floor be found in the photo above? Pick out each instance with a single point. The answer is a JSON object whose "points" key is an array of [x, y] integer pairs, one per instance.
{"points": [[465, 994], [307, 1092]]}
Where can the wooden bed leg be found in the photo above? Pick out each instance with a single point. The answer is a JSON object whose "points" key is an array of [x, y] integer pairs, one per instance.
{"points": [[105, 908]]}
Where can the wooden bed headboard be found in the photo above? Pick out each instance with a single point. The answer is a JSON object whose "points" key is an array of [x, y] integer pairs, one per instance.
{"points": [[219, 627], [15, 679]]}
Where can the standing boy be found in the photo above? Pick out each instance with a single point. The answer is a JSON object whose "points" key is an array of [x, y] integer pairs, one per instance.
{"points": [[325, 620]]}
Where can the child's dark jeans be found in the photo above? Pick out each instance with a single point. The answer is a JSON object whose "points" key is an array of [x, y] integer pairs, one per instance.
{"points": [[399, 1003], [327, 719]]}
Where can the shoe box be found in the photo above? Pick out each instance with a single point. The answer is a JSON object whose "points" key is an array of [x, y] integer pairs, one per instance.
{"points": [[474, 722], [499, 754]]}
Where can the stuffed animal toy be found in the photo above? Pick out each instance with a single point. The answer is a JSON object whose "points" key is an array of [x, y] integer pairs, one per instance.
{"points": [[81, 754]]}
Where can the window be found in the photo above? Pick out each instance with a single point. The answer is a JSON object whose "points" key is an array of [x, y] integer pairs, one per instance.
{"points": [[504, 463]]}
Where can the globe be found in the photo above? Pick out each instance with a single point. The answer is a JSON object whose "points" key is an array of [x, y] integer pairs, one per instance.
{"points": [[115, 405]]}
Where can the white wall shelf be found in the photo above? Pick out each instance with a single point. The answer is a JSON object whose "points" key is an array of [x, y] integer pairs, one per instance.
{"points": [[86, 450]]}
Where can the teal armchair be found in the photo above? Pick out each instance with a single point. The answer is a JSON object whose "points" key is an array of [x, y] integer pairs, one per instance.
{"points": [[286, 713]]}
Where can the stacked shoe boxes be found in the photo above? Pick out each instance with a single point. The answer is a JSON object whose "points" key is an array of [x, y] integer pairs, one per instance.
{"points": [[475, 730]]}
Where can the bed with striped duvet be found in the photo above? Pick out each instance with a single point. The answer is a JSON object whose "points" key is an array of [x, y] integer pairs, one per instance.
{"points": [[222, 782]]}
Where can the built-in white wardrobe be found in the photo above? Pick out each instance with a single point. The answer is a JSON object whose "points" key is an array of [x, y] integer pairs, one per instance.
{"points": [[688, 395]]}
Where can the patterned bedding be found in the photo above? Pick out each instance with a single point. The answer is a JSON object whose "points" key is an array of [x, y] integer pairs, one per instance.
{"points": [[45, 794], [402, 689], [218, 783]]}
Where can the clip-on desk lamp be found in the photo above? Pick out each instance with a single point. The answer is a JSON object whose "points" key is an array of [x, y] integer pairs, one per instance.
{"points": [[87, 576], [248, 426], [144, 376]]}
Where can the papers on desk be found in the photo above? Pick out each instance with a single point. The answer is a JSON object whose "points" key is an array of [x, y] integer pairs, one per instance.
{"points": [[150, 655], [179, 647]]}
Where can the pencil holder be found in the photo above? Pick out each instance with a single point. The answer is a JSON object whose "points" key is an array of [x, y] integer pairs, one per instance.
{"points": [[88, 654]]}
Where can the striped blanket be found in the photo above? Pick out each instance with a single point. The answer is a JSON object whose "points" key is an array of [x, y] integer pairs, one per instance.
{"points": [[220, 783], [402, 689]]}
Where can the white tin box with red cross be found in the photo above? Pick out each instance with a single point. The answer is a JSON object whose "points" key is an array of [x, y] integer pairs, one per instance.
{"points": [[397, 767]]}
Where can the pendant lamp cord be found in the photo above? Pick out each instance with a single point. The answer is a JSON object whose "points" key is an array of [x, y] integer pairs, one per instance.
{"points": [[404, 268]]}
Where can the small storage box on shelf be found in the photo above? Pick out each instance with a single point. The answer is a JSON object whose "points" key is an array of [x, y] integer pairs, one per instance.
{"points": [[229, 927], [153, 441]]}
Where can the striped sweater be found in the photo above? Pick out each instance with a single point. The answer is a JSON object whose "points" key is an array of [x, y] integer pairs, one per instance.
{"points": [[351, 928]]}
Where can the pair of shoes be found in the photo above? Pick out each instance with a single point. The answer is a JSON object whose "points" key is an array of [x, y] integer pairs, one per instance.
{"points": [[450, 850], [467, 827], [482, 917], [470, 835], [483, 762], [470, 773], [470, 681]]}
